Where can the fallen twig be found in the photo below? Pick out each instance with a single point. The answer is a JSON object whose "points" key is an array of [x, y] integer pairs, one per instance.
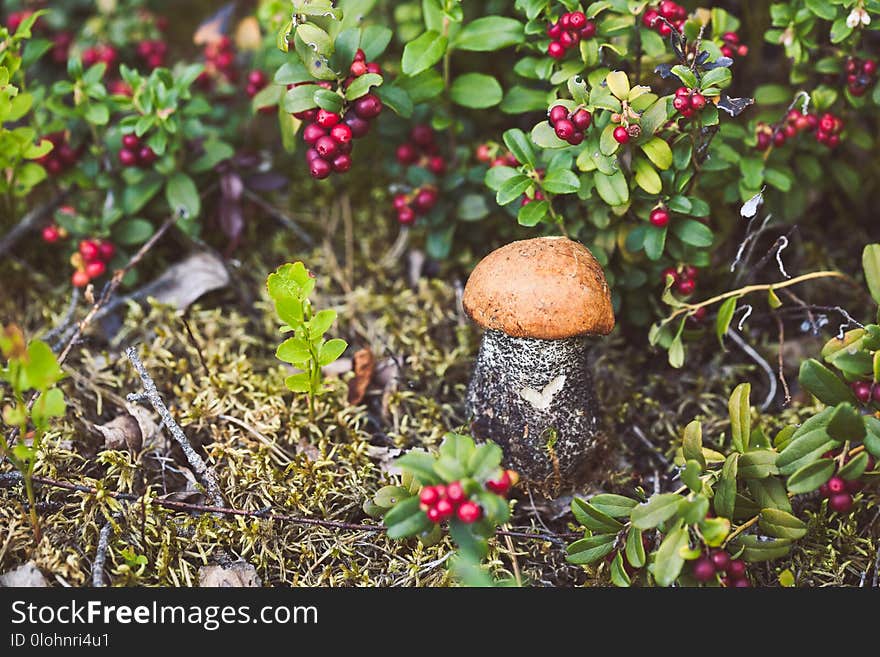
{"points": [[101, 556], [206, 474]]}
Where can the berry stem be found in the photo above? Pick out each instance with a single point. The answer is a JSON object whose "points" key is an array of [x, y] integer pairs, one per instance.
{"points": [[739, 530]]}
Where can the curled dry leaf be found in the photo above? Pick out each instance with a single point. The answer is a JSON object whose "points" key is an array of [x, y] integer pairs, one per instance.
{"points": [[25, 576], [183, 283], [122, 432], [239, 574], [364, 365]]}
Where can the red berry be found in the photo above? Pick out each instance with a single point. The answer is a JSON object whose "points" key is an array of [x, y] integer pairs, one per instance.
{"points": [[681, 103], [469, 512], [686, 286], [107, 250], [869, 67], [155, 61], [836, 485], [407, 154], [589, 30], [564, 129], [649, 18], [833, 141], [424, 201], [53, 166], [826, 123], [51, 234], [360, 55], [577, 20], [373, 67], [428, 496], [79, 278], [664, 29], [89, 250], [565, 21], [357, 68], [313, 132], [341, 133], [824, 491], [501, 485], [558, 113], [763, 141], [400, 201], [621, 135], [326, 146], [130, 141], [437, 165], [576, 138], [483, 153], [455, 492], [95, 269], [659, 217], [326, 119], [862, 391], [742, 583], [704, 569], [146, 156], [698, 101], [841, 503], [554, 30], [445, 508], [406, 215], [568, 39], [689, 271], [727, 51], [720, 559], [319, 168], [556, 50], [342, 163], [127, 158], [779, 138], [433, 515], [731, 37], [737, 569], [582, 119], [368, 107], [359, 127], [423, 135], [666, 273]]}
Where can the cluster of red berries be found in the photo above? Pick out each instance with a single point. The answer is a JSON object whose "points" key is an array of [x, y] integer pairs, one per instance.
{"points": [[419, 202], [684, 279], [152, 52], [61, 157], [360, 66], [839, 491], [865, 391], [733, 571], [569, 126], [444, 501], [567, 32], [732, 46], [674, 14], [134, 153], [100, 53], [61, 43], [219, 62], [490, 154], [827, 127], [91, 261], [119, 87], [421, 149], [860, 74], [687, 101]]}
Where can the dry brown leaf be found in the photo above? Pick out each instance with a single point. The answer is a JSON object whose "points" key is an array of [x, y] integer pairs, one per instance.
{"points": [[26, 575], [364, 364], [247, 34], [122, 432], [239, 574], [214, 28]]}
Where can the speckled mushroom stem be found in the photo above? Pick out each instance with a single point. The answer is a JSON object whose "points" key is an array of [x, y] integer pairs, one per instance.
{"points": [[535, 399]]}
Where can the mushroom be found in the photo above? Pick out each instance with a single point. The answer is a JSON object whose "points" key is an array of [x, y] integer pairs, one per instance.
{"points": [[531, 391]]}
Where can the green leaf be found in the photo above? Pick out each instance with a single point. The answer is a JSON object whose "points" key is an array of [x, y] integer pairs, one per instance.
{"points": [[406, 519], [593, 519], [489, 33], [421, 465], [41, 370], [758, 464], [769, 493], [182, 196], [655, 511], [485, 461], [740, 416], [387, 496], [809, 477], [846, 423], [717, 77], [692, 443], [855, 467], [612, 189], [331, 350], [561, 181], [328, 100], [693, 232], [725, 316], [619, 576], [362, 85], [618, 84], [757, 548], [300, 98], [871, 265], [690, 476], [512, 189], [215, 153], [449, 468], [807, 444], [669, 561], [715, 531], [294, 351], [396, 99], [51, 404], [520, 145], [824, 384], [130, 232], [422, 87], [472, 207], [646, 176], [590, 549], [476, 91], [423, 52], [725, 492], [300, 382], [635, 549], [467, 541], [658, 152], [136, 196], [686, 76], [533, 213], [616, 506], [872, 437]]}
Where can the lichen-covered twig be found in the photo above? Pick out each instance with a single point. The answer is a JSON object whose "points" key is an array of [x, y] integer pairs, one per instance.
{"points": [[205, 474], [98, 579]]}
